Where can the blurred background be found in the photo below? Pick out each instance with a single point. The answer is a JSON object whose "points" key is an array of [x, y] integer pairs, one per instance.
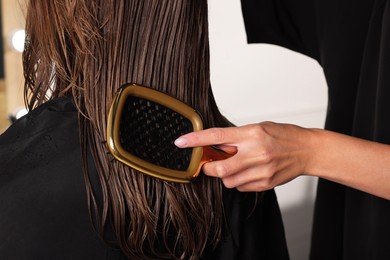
{"points": [[11, 75], [252, 83]]}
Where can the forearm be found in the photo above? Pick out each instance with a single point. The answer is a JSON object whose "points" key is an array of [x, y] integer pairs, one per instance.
{"points": [[354, 162]]}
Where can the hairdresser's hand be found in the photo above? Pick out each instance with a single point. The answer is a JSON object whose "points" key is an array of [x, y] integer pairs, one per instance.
{"points": [[268, 154]]}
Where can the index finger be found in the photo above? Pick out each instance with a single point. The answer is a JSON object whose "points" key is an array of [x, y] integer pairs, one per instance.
{"points": [[211, 136]]}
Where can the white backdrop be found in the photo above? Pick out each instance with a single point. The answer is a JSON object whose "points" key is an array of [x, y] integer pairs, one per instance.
{"points": [[258, 82]]}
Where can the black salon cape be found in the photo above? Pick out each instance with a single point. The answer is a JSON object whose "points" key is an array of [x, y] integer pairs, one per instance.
{"points": [[43, 205], [351, 41]]}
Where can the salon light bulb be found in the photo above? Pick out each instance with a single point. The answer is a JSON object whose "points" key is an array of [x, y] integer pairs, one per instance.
{"points": [[18, 39]]}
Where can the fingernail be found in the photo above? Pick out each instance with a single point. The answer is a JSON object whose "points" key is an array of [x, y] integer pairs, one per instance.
{"points": [[180, 142]]}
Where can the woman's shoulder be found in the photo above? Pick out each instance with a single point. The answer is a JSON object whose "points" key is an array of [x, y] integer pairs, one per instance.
{"points": [[43, 190], [37, 138], [52, 113]]}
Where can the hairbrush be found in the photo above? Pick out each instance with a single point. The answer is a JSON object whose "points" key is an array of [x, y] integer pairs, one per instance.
{"points": [[143, 124]]}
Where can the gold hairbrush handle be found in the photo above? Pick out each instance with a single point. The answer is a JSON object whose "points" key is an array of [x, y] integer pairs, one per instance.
{"points": [[210, 154]]}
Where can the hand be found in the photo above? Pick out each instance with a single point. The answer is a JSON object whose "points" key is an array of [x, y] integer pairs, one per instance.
{"points": [[268, 154]]}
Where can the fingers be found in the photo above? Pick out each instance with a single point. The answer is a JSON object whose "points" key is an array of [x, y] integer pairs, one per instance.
{"points": [[212, 136], [255, 186], [224, 168], [244, 179], [259, 185]]}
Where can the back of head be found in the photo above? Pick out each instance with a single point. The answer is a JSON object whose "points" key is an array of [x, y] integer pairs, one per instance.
{"points": [[87, 50]]}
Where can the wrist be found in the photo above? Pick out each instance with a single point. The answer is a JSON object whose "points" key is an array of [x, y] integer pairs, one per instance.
{"points": [[314, 144]]}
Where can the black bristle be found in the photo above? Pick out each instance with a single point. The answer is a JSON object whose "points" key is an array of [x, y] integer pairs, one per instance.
{"points": [[148, 130]]}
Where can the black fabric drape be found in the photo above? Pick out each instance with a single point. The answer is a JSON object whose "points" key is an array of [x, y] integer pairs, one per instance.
{"points": [[43, 204]]}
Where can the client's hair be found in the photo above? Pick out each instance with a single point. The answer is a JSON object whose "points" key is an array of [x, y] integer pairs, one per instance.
{"points": [[86, 50]]}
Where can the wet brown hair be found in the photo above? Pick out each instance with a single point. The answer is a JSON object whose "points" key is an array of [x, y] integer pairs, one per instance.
{"points": [[86, 50]]}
